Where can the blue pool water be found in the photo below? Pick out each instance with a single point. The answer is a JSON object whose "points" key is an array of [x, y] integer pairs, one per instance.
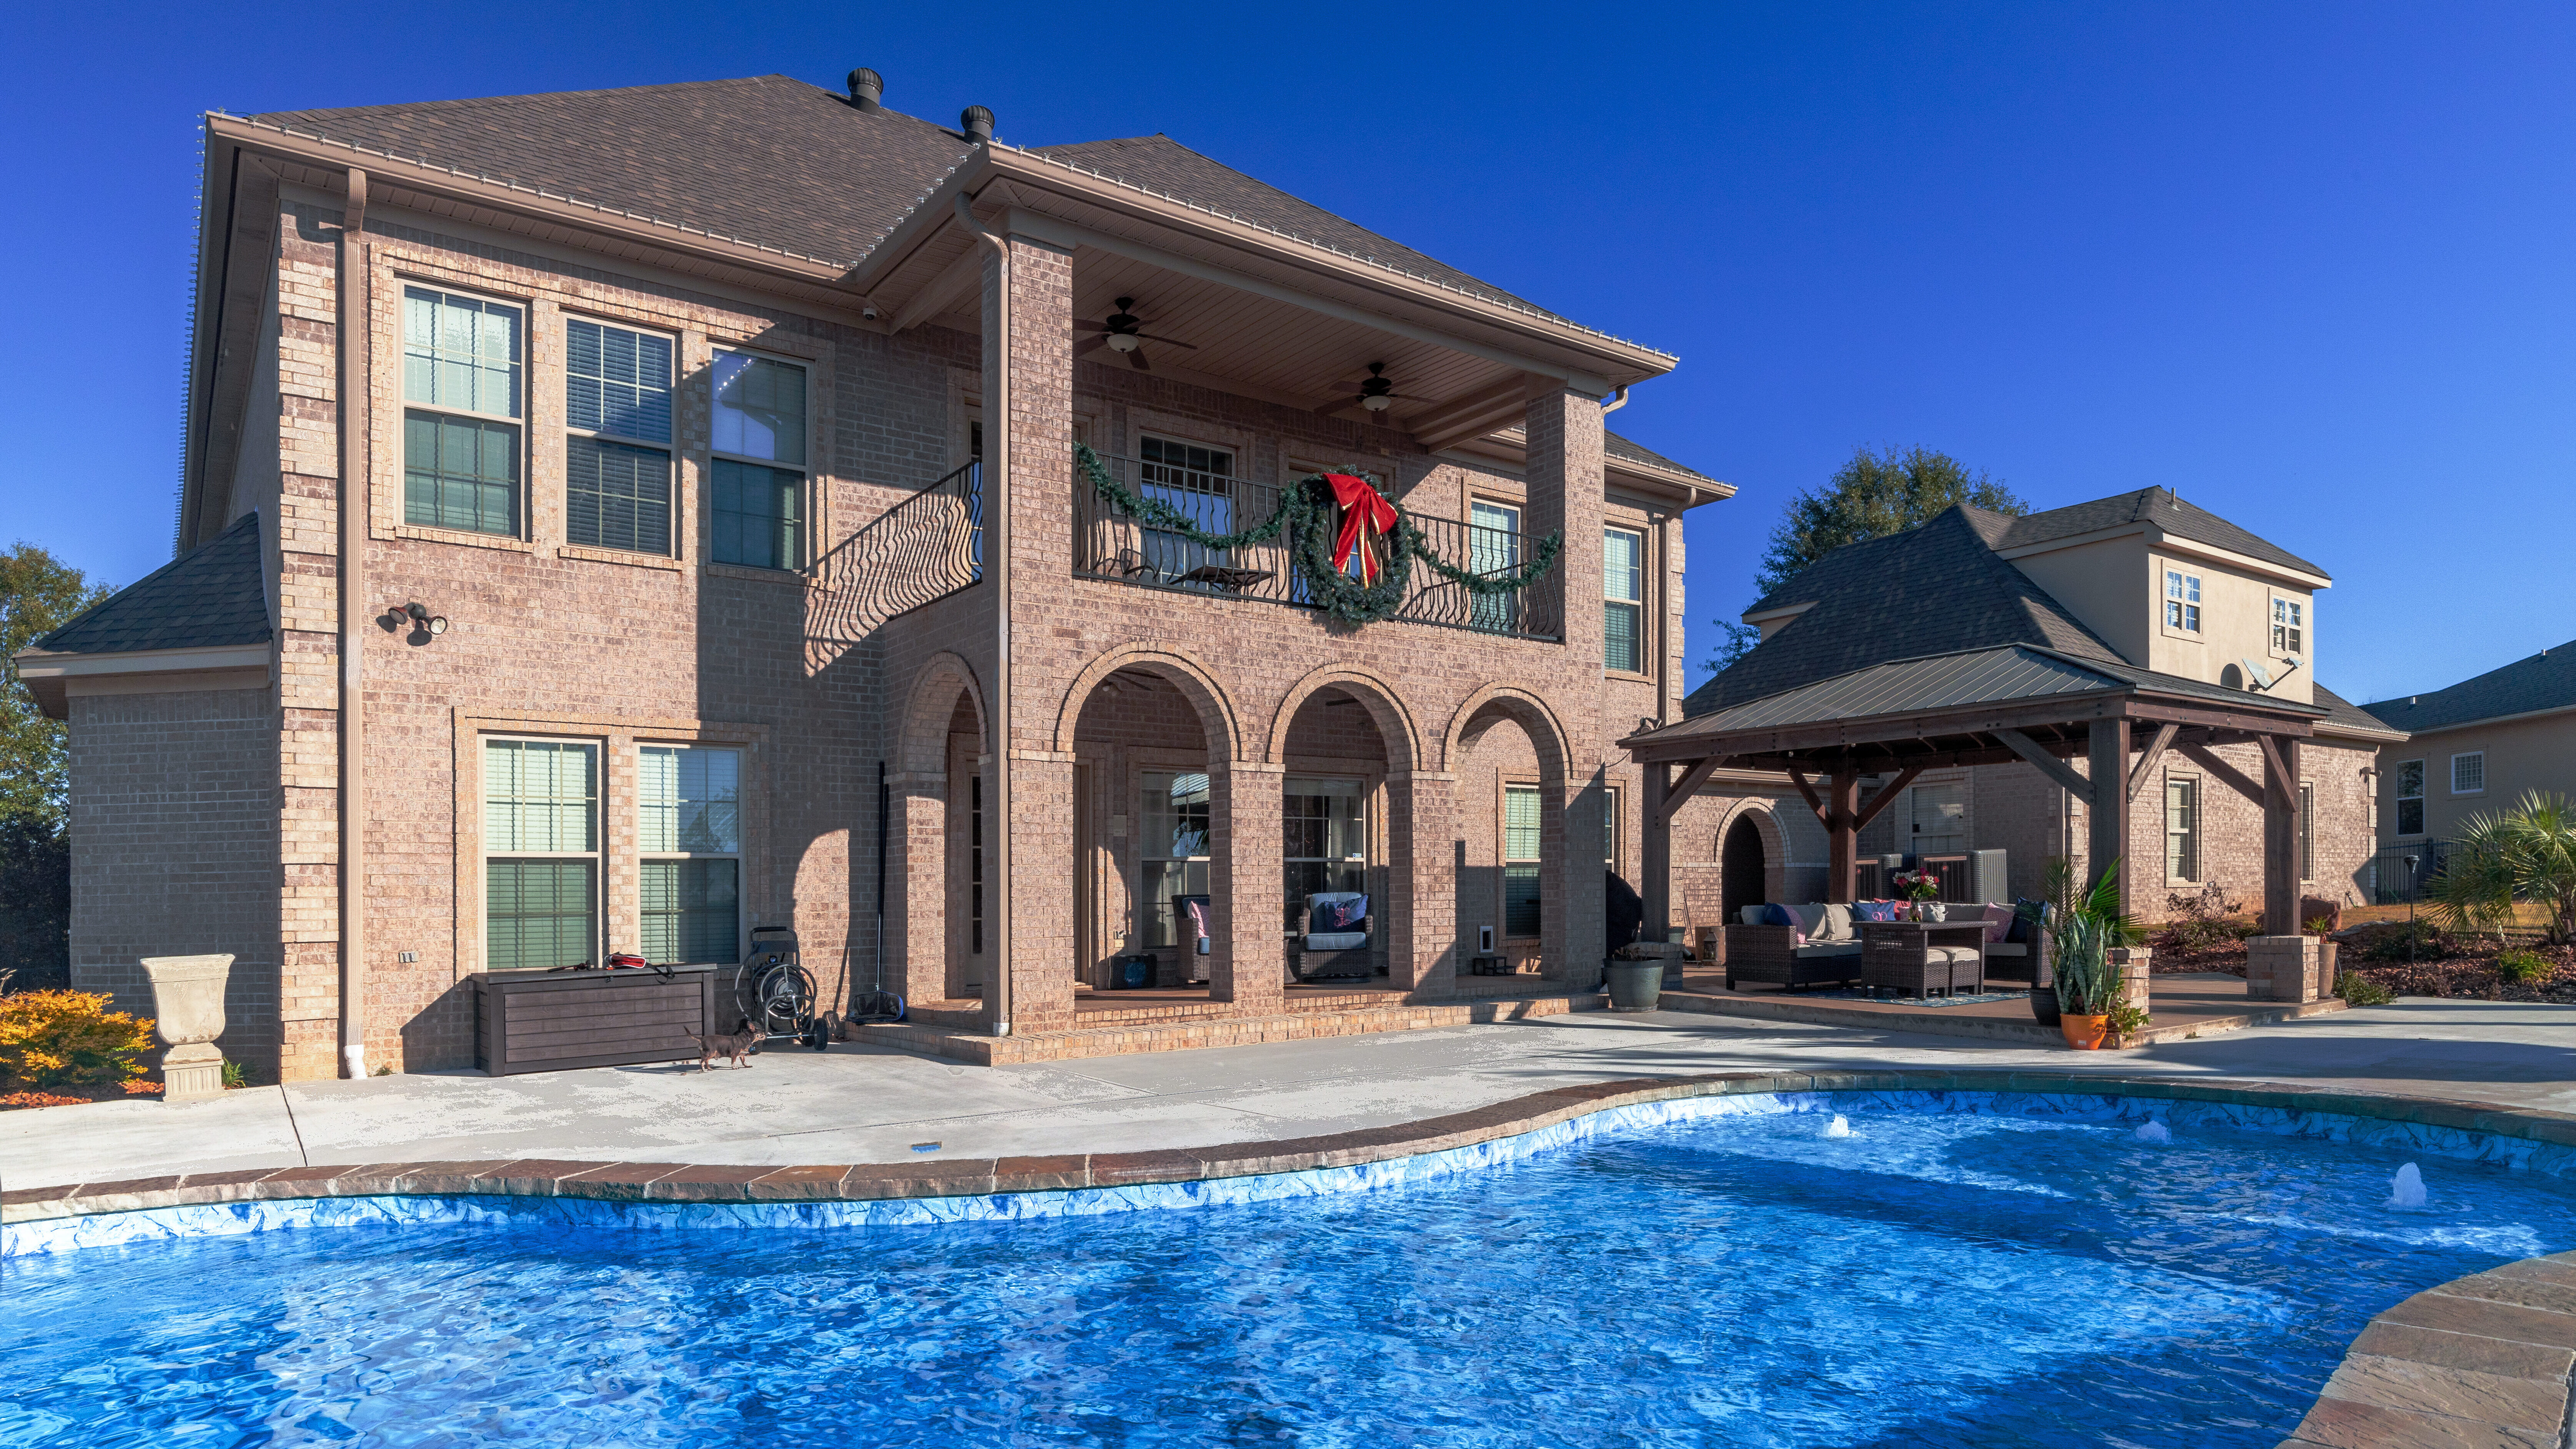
{"points": [[1930, 1279]]}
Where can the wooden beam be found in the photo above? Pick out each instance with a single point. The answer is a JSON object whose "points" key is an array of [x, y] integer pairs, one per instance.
{"points": [[2110, 808], [2155, 754], [1824, 817], [1696, 776], [2050, 765], [1842, 837], [1877, 804], [2227, 774], [2216, 717], [2276, 771], [2281, 837]]}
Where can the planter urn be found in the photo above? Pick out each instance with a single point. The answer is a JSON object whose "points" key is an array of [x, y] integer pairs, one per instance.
{"points": [[188, 1014], [1636, 985]]}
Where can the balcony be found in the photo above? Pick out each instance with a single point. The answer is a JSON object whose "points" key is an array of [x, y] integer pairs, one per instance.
{"points": [[927, 547], [1111, 543]]}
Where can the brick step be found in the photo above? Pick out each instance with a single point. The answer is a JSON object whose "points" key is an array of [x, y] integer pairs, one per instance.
{"points": [[1088, 1038]]}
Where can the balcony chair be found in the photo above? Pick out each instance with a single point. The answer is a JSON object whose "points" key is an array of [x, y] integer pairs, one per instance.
{"points": [[1336, 943]]}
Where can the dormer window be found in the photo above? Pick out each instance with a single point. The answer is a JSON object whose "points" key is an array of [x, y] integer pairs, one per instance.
{"points": [[2182, 601], [2289, 632]]}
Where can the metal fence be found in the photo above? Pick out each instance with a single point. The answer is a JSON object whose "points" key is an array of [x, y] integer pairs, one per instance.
{"points": [[2392, 881], [926, 547], [1111, 543]]}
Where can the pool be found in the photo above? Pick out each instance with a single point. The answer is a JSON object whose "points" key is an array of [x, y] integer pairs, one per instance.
{"points": [[1960, 1269]]}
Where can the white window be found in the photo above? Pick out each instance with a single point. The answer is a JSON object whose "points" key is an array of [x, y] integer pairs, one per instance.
{"points": [[2182, 829], [689, 832], [1494, 547], [541, 853], [2307, 831], [1623, 589], [1521, 898], [756, 478], [461, 397], [2182, 601], [1325, 845], [1610, 828], [2289, 631], [1940, 819], [2469, 773], [2410, 797], [617, 456]]}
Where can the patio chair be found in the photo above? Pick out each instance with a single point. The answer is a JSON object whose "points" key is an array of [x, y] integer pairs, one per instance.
{"points": [[1773, 956], [1336, 943]]}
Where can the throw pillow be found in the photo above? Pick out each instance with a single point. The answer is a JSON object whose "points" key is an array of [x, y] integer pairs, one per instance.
{"points": [[1776, 914], [1875, 910], [1936, 910], [1838, 924], [1999, 920], [1345, 915]]}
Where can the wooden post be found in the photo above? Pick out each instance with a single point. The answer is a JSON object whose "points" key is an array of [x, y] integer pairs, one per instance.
{"points": [[1842, 832], [1655, 871], [2280, 836], [2109, 807]]}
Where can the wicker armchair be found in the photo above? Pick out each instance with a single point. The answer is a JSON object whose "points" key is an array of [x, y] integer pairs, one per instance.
{"points": [[1770, 955]]}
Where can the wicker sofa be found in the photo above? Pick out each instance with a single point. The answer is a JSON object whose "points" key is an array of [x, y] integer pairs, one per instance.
{"points": [[1773, 955]]}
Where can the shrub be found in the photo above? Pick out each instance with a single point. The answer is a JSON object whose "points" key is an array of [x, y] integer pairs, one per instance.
{"points": [[2203, 920], [2389, 943], [2525, 967], [2359, 990], [68, 1039]]}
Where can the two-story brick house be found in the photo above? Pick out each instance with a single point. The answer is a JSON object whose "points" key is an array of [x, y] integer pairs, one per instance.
{"points": [[724, 436], [2143, 595]]}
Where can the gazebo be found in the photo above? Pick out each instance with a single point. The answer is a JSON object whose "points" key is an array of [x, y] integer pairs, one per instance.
{"points": [[1993, 705]]}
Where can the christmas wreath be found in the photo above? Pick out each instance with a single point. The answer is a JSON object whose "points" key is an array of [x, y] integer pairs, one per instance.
{"points": [[1338, 525]]}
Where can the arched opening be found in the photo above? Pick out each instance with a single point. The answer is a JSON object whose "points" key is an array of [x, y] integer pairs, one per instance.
{"points": [[939, 890], [1741, 868], [1146, 841], [1512, 847], [1335, 838]]}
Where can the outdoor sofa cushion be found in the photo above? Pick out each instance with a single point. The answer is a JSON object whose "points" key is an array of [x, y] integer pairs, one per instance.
{"points": [[1826, 950], [1329, 916], [1752, 915], [1776, 914], [1335, 940]]}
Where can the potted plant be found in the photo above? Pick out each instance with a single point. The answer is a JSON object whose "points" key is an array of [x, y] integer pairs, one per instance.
{"points": [[2320, 927], [1636, 976], [2084, 925], [1918, 887]]}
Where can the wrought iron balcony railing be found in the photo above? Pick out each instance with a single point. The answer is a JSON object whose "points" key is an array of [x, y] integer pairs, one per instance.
{"points": [[1111, 543], [926, 547]]}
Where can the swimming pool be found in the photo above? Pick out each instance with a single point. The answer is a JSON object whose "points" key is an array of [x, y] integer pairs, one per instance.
{"points": [[1957, 1270]]}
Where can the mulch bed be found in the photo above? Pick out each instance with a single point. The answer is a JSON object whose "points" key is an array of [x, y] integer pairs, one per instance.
{"points": [[75, 1096], [2449, 967]]}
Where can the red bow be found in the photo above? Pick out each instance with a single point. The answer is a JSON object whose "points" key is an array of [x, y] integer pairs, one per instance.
{"points": [[1364, 516]]}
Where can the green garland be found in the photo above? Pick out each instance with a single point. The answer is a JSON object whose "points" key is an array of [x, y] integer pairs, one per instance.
{"points": [[1306, 507]]}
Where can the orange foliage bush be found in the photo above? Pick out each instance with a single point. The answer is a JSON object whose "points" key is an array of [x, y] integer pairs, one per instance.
{"points": [[68, 1039]]}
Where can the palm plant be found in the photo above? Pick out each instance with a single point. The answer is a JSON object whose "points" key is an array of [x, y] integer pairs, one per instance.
{"points": [[2084, 923], [2527, 853]]}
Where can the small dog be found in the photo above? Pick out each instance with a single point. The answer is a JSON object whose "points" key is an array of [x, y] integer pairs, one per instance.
{"points": [[735, 1045]]}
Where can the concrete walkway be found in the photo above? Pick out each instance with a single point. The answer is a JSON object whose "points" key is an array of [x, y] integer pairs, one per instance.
{"points": [[855, 1104]]}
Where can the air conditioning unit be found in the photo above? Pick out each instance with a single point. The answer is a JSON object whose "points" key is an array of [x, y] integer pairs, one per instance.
{"points": [[1987, 877]]}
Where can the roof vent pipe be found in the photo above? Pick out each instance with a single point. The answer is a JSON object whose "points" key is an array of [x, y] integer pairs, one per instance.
{"points": [[867, 89], [977, 123]]}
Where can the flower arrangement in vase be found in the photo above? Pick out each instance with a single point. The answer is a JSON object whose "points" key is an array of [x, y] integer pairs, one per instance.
{"points": [[1916, 887]]}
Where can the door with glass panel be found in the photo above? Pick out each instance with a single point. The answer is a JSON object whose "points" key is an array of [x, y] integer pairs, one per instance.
{"points": [[1494, 548], [540, 854], [1172, 857], [1196, 483], [1325, 845]]}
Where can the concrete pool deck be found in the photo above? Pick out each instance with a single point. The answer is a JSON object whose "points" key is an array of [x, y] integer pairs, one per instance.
{"points": [[857, 1104]]}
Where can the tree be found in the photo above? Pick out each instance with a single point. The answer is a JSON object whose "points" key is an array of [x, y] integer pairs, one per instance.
{"points": [[38, 593], [1871, 496]]}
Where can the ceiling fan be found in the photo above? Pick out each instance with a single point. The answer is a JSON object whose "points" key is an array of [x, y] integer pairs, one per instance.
{"points": [[1119, 334], [1376, 393]]}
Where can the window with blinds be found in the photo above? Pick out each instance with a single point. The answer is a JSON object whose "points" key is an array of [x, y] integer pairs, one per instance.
{"points": [[1623, 588], [756, 476], [462, 374], [541, 853], [1521, 918], [2182, 830], [617, 452], [689, 834]]}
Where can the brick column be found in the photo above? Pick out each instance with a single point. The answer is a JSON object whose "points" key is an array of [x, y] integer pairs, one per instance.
{"points": [[2283, 968], [917, 879], [1420, 914], [1042, 867], [1565, 481], [1246, 962]]}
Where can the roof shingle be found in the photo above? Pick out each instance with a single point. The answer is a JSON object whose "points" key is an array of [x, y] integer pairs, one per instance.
{"points": [[206, 598], [2546, 680]]}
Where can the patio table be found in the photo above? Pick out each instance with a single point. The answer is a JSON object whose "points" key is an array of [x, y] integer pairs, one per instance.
{"points": [[1897, 955]]}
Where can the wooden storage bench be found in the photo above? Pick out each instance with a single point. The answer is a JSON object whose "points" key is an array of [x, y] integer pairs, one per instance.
{"points": [[545, 1021]]}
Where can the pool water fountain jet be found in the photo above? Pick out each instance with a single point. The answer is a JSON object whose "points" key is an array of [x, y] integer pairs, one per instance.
{"points": [[1839, 1127], [2154, 1132], [2406, 1189]]}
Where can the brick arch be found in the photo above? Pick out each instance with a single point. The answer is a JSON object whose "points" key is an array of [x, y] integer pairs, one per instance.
{"points": [[1173, 665], [1775, 842], [1384, 704], [921, 733], [1530, 712]]}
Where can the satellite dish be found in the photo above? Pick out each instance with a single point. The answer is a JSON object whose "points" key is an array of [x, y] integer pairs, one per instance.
{"points": [[2255, 672]]}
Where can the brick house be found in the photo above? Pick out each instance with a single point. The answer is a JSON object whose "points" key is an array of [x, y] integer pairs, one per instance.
{"points": [[2142, 595], [2474, 748], [724, 435]]}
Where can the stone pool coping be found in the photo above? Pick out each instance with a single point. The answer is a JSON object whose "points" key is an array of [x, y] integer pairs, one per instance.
{"points": [[2485, 1360]]}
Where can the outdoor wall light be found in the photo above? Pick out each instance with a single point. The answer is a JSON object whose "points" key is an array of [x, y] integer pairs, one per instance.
{"points": [[425, 625]]}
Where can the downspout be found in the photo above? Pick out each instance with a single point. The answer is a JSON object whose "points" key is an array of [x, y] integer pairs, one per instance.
{"points": [[997, 570], [350, 343]]}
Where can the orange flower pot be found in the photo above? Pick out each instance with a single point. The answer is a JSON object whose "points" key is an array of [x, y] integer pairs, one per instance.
{"points": [[2084, 1033]]}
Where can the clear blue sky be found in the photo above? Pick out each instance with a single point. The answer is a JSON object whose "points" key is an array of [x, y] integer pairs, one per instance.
{"points": [[2310, 265]]}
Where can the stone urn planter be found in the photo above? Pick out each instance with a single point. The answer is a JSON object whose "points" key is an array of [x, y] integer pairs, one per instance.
{"points": [[188, 1014], [1636, 975]]}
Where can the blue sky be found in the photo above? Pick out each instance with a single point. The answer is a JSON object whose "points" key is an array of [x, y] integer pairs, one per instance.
{"points": [[2307, 264]]}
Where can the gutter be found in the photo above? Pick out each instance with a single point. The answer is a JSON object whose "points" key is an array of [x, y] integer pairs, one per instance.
{"points": [[350, 343], [997, 568]]}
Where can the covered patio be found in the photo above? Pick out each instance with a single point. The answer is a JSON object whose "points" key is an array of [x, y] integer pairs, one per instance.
{"points": [[2098, 730]]}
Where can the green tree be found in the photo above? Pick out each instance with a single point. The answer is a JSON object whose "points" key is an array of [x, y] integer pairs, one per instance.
{"points": [[1871, 496], [38, 593]]}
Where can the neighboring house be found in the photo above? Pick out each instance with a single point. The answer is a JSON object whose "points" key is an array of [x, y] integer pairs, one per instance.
{"points": [[2143, 593], [2474, 748], [685, 415]]}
